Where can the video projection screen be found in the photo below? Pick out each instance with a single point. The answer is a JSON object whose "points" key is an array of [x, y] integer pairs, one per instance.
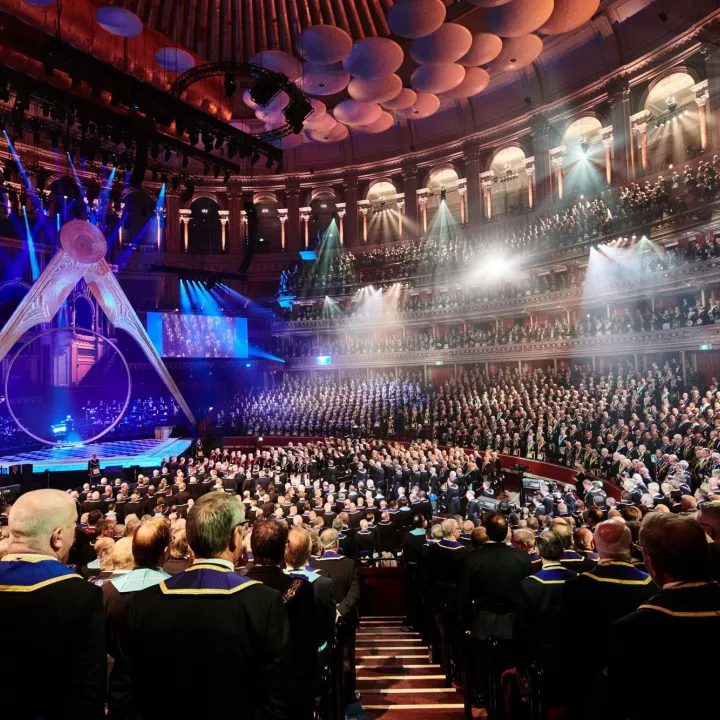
{"points": [[177, 335]]}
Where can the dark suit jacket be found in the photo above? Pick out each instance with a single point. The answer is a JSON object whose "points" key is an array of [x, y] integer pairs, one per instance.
{"points": [[491, 586], [64, 617]]}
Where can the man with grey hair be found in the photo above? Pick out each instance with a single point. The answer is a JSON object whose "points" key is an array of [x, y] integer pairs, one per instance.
{"points": [[346, 588], [239, 627], [55, 619]]}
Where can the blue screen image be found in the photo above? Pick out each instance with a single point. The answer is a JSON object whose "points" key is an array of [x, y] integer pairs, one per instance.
{"points": [[176, 335]]}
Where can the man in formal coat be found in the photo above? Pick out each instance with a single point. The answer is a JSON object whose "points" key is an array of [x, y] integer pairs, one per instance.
{"points": [[53, 661], [238, 627]]}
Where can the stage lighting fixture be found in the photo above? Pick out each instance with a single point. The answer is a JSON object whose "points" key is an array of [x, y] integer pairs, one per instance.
{"points": [[443, 195], [296, 112], [583, 145], [230, 85], [671, 103], [264, 89]]}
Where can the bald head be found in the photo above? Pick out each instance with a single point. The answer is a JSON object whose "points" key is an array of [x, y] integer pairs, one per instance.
{"points": [[122, 554], [150, 542], [43, 521], [613, 540]]}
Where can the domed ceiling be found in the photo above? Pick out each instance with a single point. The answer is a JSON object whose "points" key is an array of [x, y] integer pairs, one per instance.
{"points": [[387, 77]]}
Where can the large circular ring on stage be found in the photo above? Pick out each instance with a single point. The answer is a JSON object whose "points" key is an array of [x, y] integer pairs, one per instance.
{"points": [[53, 418], [83, 241]]}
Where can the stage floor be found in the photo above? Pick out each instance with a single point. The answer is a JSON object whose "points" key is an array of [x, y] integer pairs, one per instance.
{"points": [[122, 453]]}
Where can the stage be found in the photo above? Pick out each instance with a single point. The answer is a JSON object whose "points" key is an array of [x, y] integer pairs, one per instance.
{"points": [[119, 454]]}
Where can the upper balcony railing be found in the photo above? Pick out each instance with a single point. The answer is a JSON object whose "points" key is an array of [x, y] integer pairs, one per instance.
{"points": [[631, 343]]}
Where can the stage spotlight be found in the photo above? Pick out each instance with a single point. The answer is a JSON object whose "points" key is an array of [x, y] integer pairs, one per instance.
{"points": [[230, 86], [584, 145], [164, 178], [264, 89], [443, 195]]}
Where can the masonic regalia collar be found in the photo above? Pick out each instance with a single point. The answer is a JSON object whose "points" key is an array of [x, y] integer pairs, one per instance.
{"points": [[331, 555], [28, 572], [206, 580]]}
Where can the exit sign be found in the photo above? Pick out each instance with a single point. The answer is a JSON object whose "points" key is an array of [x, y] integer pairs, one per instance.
{"points": [[708, 346]]}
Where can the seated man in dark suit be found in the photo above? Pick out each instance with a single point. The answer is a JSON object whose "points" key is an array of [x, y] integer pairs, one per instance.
{"points": [[682, 621], [268, 542], [57, 667], [238, 626], [365, 541]]}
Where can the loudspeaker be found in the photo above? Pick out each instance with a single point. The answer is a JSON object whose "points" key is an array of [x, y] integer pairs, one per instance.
{"points": [[27, 482]]}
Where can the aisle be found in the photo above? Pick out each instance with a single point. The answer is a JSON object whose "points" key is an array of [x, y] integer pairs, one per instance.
{"points": [[396, 677]]}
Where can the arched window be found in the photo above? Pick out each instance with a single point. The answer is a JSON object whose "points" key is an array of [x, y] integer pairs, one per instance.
{"points": [[383, 212], [11, 294], [510, 186], [84, 312], [268, 239], [443, 205], [584, 162], [672, 122], [204, 233]]}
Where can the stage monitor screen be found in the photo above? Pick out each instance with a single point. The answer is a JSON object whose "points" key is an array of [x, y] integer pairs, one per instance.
{"points": [[177, 335]]}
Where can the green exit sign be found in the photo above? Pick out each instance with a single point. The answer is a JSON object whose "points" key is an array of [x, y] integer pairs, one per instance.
{"points": [[438, 362], [706, 347]]}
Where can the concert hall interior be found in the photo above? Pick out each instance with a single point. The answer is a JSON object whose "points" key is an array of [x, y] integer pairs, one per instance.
{"points": [[402, 317]]}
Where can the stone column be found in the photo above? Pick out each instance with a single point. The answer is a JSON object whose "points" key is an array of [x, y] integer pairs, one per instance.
{"points": [[292, 192], [557, 157], [712, 106], [410, 188], [473, 201], [350, 185], [341, 210], [364, 207], [702, 95], [487, 179], [400, 198], [224, 219], [607, 141], [620, 111], [305, 215], [462, 190], [422, 198], [530, 170], [541, 151], [639, 125], [185, 220], [235, 234], [172, 223], [283, 217]]}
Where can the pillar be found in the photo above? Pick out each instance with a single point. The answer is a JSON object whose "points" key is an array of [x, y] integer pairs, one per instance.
{"points": [[607, 140], [422, 199], [541, 152], [487, 179], [473, 200], [702, 95], [619, 96], [557, 157], [224, 219], [530, 170], [283, 218], [350, 186], [712, 107], [185, 220], [292, 236], [172, 222], [410, 188], [305, 215], [462, 190], [341, 210], [400, 197], [236, 229], [364, 207]]}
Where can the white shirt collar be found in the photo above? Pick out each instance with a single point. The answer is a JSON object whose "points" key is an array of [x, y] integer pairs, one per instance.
{"points": [[216, 561]]}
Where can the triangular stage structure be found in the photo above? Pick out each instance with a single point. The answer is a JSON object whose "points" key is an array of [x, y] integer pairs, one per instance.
{"points": [[82, 255]]}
